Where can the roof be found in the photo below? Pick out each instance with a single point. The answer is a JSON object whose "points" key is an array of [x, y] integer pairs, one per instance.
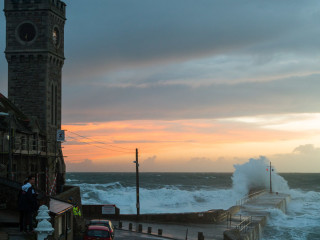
{"points": [[7, 106], [17, 118], [58, 207], [99, 220]]}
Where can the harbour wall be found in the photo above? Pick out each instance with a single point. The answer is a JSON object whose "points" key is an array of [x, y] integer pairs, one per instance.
{"points": [[258, 211], [211, 216]]}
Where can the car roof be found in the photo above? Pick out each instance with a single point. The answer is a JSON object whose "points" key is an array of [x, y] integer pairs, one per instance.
{"points": [[99, 220], [98, 227]]}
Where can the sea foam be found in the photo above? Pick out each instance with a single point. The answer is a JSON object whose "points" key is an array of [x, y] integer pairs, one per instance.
{"points": [[255, 174]]}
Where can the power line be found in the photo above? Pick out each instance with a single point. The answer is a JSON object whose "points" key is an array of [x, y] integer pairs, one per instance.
{"points": [[100, 146], [91, 139]]}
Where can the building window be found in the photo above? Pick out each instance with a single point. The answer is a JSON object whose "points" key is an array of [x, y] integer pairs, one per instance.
{"points": [[55, 105], [52, 106], [23, 143], [34, 142]]}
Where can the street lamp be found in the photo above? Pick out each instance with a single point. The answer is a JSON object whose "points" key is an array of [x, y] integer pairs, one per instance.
{"points": [[10, 175], [270, 170]]}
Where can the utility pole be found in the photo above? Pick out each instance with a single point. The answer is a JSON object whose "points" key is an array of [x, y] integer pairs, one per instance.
{"points": [[137, 183], [270, 178]]}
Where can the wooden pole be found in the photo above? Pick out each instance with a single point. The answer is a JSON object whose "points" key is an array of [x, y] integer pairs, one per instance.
{"points": [[137, 183], [270, 170]]}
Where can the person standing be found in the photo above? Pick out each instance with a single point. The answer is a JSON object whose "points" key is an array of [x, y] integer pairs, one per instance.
{"points": [[21, 207], [28, 203]]}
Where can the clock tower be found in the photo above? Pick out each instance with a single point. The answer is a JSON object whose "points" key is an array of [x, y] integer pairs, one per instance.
{"points": [[35, 55]]}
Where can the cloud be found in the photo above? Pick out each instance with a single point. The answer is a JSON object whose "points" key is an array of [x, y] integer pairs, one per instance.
{"points": [[136, 33], [288, 95], [197, 164], [88, 165], [304, 158], [149, 164], [185, 59], [306, 149]]}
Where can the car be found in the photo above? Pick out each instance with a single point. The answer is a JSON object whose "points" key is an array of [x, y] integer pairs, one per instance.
{"points": [[103, 222], [96, 232]]}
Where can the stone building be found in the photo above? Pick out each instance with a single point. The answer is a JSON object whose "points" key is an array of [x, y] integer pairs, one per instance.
{"points": [[35, 56], [30, 118]]}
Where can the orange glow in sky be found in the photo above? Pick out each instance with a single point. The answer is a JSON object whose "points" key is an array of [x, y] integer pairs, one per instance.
{"points": [[193, 145]]}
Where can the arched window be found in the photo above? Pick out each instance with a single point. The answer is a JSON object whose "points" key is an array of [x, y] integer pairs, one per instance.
{"points": [[55, 105], [52, 104]]}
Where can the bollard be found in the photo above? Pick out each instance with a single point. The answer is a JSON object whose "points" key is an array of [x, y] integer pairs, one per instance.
{"points": [[200, 236], [140, 228], [44, 227], [149, 230], [120, 225], [130, 226], [160, 232]]}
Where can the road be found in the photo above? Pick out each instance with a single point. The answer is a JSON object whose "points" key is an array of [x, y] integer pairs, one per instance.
{"points": [[122, 235]]}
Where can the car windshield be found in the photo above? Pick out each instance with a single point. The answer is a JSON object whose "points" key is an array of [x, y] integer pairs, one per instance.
{"points": [[98, 233], [101, 223]]}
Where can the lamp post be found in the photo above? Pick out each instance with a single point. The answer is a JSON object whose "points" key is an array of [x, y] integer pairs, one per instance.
{"points": [[10, 175], [270, 170]]}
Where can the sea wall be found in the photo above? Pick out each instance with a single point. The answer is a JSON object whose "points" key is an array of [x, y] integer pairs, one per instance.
{"points": [[254, 230], [211, 216]]}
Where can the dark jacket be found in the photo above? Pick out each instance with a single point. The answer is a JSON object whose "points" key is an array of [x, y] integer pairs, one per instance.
{"points": [[28, 199]]}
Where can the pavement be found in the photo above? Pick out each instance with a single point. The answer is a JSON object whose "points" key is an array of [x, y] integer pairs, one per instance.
{"points": [[178, 231], [257, 207]]}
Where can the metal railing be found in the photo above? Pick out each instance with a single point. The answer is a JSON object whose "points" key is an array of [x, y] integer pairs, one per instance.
{"points": [[250, 197], [242, 223]]}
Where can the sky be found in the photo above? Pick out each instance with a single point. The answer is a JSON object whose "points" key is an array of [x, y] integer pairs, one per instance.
{"points": [[195, 86]]}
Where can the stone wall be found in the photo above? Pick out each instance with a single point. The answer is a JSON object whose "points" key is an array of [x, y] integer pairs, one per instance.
{"points": [[212, 216]]}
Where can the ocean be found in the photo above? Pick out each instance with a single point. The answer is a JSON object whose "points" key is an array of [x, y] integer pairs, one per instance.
{"points": [[192, 192]]}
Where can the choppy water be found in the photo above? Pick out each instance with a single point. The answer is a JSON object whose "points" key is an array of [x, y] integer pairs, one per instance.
{"points": [[189, 192]]}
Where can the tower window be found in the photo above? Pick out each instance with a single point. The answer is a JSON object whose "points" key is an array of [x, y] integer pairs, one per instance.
{"points": [[27, 32]]}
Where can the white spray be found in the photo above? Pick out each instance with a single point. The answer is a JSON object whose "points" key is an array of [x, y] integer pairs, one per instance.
{"points": [[256, 174]]}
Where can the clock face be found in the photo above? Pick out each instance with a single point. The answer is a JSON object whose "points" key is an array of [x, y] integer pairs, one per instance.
{"points": [[55, 36], [27, 32]]}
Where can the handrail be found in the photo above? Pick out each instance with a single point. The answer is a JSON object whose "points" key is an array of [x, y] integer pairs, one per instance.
{"points": [[250, 196], [243, 225]]}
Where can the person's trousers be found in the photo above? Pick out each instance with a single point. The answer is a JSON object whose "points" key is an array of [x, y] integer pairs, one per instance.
{"points": [[21, 218], [27, 221]]}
